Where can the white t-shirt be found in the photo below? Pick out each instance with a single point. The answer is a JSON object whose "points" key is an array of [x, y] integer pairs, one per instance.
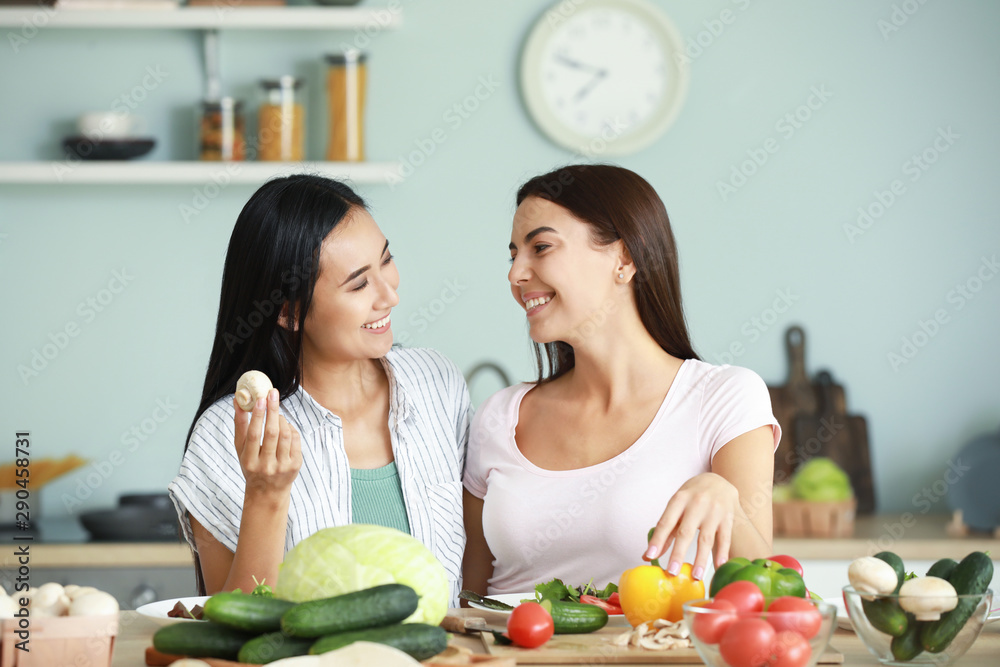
{"points": [[591, 523]]}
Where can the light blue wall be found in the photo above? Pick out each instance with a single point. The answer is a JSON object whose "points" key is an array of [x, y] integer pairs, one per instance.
{"points": [[781, 232]]}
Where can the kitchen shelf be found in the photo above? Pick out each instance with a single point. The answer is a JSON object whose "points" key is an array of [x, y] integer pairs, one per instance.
{"points": [[188, 173], [205, 18]]}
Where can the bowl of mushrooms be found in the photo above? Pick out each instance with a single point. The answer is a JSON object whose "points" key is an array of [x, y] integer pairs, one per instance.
{"points": [[918, 625], [66, 623]]}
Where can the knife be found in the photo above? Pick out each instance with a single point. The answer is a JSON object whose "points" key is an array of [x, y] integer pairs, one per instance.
{"points": [[489, 603]]}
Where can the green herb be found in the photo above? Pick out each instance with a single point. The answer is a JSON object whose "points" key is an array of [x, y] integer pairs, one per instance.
{"points": [[557, 591], [261, 589]]}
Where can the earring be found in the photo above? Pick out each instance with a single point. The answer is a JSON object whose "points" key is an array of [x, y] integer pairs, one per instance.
{"points": [[621, 275]]}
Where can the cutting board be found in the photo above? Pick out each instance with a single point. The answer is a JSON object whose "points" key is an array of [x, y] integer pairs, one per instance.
{"points": [[843, 438], [596, 648]]}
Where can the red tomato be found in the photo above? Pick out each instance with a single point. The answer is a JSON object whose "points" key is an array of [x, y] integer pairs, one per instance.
{"points": [[745, 596], [615, 599], [529, 625], [747, 643], [789, 649], [603, 604], [710, 628], [788, 561], [794, 614]]}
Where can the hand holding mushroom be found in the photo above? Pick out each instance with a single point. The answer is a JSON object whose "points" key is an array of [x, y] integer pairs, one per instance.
{"points": [[267, 445]]}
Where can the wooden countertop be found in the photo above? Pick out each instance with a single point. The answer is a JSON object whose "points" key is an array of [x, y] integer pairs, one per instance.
{"points": [[911, 536], [135, 632]]}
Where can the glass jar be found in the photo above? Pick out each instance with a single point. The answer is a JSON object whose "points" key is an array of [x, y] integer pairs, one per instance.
{"points": [[345, 92], [281, 121], [222, 130]]}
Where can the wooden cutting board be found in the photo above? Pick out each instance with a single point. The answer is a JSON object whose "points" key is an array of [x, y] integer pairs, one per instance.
{"points": [[843, 438], [596, 648]]}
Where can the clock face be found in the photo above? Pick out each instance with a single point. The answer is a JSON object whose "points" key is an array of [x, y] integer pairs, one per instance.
{"points": [[609, 71]]}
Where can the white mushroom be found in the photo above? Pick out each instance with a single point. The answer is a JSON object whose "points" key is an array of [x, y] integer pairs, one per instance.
{"points": [[252, 386], [8, 607], [97, 603], [872, 576], [49, 600], [70, 590], [189, 662], [927, 597], [77, 591]]}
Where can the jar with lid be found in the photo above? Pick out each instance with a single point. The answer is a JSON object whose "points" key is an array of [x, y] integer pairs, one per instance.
{"points": [[222, 130], [345, 92], [281, 120]]}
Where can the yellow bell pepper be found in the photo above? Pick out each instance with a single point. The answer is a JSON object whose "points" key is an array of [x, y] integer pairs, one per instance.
{"points": [[647, 593]]}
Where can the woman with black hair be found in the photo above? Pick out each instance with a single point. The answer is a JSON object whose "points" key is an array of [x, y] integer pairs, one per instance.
{"points": [[625, 427], [355, 430]]}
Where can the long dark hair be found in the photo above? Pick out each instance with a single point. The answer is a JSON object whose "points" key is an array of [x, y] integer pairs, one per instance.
{"points": [[273, 260], [620, 204]]}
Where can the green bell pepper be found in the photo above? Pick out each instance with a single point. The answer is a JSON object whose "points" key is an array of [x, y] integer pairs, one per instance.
{"points": [[774, 579]]}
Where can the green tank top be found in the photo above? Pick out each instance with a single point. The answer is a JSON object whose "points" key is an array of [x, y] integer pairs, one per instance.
{"points": [[377, 497]]}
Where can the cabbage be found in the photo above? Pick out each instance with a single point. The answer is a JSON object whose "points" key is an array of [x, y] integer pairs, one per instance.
{"points": [[344, 559]]}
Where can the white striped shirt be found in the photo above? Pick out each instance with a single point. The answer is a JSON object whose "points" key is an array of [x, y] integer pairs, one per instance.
{"points": [[429, 415]]}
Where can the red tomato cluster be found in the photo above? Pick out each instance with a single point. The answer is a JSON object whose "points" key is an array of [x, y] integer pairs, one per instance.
{"points": [[749, 638]]}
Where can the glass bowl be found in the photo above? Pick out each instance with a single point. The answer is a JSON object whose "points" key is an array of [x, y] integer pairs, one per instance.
{"points": [[754, 637], [860, 610]]}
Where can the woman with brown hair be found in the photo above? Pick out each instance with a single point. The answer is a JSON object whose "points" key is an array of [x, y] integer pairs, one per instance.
{"points": [[625, 428]]}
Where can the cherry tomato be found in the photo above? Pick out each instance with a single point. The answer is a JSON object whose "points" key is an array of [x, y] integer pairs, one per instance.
{"points": [[745, 596], [789, 649], [710, 628], [747, 643], [603, 604], [794, 614], [788, 561], [529, 625]]}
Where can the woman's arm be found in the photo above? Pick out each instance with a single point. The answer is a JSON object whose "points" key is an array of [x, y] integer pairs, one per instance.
{"points": [[477, 564], [729, 509], [269, 470]]}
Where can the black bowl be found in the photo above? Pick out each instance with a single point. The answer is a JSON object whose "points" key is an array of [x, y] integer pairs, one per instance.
{"points": [[157, 500], [86, 148]]}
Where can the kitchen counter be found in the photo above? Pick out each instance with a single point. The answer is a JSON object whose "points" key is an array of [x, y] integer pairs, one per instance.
{"points": [[135, 634], [911, 536]]}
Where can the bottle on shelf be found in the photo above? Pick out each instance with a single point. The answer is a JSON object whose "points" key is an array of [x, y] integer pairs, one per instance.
{"points": [[346, 81], [222, 130], [281, 121]]}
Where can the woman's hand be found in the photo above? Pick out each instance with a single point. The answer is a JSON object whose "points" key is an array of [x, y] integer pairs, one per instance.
{"points": [[271, 466], [706, 505]]}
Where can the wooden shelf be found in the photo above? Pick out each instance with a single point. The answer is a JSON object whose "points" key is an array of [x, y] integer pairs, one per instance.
{"points": [[205, 18], [188, 173]]}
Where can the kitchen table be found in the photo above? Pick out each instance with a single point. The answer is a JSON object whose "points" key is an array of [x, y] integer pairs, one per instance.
{"points": [[135, 634]]}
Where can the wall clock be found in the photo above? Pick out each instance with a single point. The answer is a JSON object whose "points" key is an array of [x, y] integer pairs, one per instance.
{"points": [[604, 76]]}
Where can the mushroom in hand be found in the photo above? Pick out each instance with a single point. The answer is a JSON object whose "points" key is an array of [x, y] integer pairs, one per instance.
{"points": [[252, 386], [873, 576], [927, 597]]}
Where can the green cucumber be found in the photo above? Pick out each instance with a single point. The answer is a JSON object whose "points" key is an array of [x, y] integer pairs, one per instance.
{"points": [[907, 646], [574, 618], [203, 639], [970, 577], [273, 646], [942, 569], [243, 611], [419, 640], [885, 616], [369, 608], [897, 564]]}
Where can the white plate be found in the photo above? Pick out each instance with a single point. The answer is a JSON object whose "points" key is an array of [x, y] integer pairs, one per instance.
{"points": [[158, 610]]}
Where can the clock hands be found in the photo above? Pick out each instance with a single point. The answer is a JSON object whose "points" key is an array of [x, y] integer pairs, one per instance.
{"points": [[599, 73]]}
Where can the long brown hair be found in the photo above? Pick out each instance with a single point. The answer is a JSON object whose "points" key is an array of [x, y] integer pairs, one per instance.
{"points": [[620, 204]]}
